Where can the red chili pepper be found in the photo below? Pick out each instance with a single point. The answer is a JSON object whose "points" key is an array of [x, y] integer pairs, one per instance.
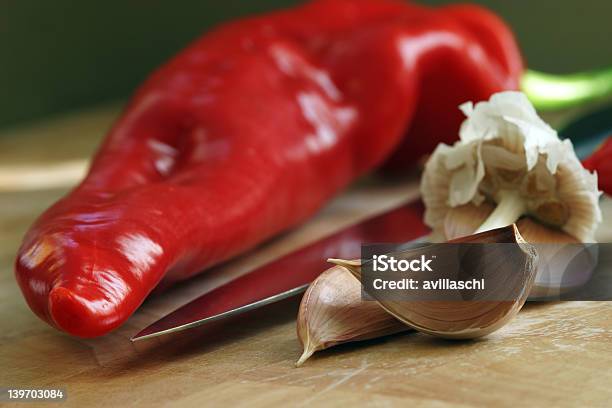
{"points": [[601, 162], [248, 132]]}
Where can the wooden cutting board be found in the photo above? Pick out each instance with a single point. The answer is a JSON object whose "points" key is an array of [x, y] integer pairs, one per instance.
{"points": [[557, 354]]}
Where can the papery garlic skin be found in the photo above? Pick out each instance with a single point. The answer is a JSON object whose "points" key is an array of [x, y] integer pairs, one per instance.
{"points": [[507, 153]]}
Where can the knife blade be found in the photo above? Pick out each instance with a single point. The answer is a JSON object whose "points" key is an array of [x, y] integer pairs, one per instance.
{"points": [[291, 274]]}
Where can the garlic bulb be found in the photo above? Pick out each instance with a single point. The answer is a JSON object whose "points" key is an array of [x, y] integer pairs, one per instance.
{"points": [[515, 264], [332, 312], [509, 157]]}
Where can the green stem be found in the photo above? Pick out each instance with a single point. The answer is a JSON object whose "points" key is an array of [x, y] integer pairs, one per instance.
{"points": [[550, 92]]}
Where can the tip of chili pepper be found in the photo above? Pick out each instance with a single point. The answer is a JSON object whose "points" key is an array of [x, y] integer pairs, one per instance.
{"points": [[71, 313]]}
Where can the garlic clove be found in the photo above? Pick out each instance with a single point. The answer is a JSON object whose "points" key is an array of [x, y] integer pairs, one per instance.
{"points": [[464, 220], [560, 268], [470, 319], [535, 232], [332, 312]]}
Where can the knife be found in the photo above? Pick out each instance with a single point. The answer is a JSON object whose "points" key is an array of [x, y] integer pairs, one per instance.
{"points": [[291, 274]]}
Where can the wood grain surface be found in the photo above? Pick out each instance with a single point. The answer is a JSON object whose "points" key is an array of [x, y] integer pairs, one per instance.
{"points": [[552, 354]]}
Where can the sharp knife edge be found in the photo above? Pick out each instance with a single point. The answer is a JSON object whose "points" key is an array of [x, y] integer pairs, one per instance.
{"points": [[233, 312]]}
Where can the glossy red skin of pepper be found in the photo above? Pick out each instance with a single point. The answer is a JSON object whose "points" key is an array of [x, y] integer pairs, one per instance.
{"points": [[601, 162], [248, 132]]}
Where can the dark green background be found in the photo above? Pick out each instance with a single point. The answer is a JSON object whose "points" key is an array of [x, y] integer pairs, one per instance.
{"points": [[59, 55]]}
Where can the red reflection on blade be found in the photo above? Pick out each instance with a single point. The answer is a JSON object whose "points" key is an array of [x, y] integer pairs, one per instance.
{"points": [[298, 268]]}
